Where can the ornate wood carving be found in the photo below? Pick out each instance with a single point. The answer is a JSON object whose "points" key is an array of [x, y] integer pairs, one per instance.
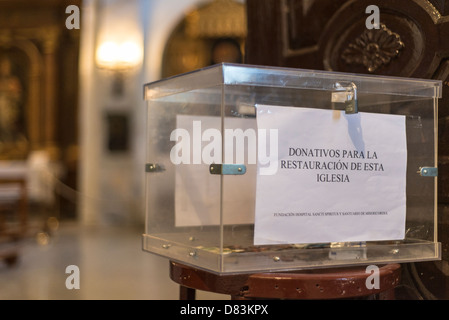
{"points": [[331, 35], [373, 48]]}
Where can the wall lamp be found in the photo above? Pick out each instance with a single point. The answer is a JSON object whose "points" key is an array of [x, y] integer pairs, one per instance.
{"points": [[119, 58]]}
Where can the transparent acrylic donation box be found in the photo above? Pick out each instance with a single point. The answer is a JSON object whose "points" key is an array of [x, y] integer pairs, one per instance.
{"points": [[252, 168]]}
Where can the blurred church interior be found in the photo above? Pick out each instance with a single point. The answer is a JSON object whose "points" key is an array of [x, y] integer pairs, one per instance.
{"points": [[73, 122], [72, 128]]}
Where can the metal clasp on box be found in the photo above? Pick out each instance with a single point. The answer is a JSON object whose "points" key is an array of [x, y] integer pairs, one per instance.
{"points": [[227, 169], [346, 92], [428, 171]]}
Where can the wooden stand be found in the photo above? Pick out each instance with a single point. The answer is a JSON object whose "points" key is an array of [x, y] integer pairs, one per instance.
{"points": [[335, 283]]}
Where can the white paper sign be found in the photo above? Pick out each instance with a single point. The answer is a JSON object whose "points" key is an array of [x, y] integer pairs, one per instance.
{"points": [[340, 177], [197, 191]]}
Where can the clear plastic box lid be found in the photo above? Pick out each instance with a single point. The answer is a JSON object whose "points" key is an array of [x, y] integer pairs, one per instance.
{"points": [[238, 74]]}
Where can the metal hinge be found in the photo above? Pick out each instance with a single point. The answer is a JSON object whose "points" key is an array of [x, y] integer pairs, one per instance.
{"points": [[227, 169], [153, 167], [428, 171]]}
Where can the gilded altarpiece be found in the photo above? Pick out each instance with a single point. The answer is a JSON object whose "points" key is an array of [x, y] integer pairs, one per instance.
{"points": [[38, 79]]}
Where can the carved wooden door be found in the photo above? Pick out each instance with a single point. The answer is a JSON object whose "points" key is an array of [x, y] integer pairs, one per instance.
{"points": [[412, 41]]}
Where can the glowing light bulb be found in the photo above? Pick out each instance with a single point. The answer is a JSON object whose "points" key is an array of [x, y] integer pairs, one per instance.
{"points": [[119, 55]]}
